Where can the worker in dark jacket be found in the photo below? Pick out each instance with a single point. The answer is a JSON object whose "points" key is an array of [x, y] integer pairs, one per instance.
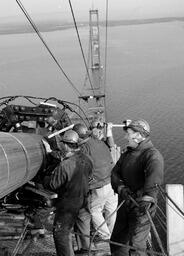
{"points": [[137, 173], [70, 181]]}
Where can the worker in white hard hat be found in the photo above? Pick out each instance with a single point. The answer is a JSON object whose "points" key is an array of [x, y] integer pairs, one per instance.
{"points": [[136, 175]]}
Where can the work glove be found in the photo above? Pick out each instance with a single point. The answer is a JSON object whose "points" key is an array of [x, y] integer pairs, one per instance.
{"points": [[144, 207], [146, 204], [47, 146], [124, 192], [109, 129]]}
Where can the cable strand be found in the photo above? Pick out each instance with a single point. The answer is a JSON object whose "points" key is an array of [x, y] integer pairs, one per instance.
{"points": [[45, 44], [74, 20]]}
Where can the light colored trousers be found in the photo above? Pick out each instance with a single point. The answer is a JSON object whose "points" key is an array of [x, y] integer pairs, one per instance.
{"points": [[103, 202]]}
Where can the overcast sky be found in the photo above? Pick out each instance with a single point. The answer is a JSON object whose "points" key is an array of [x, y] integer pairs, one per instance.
{"points": [[118, 9]]}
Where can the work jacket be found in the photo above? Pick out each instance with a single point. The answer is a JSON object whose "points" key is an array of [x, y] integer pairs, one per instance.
{"points": [[140, 169], [102, 161], [70, 181]]}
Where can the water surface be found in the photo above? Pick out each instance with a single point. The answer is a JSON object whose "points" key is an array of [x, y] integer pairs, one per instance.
{"points": [[145, 74]]}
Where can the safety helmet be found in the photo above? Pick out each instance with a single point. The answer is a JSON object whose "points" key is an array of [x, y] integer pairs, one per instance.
{"points": [[50, 120], [140, 125], [96, 124], [70, 136], [81, 130]]}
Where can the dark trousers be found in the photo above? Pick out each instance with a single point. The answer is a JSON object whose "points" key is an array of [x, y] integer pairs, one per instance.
{"points": [[82, 228], [130, 229], [63, 225]]}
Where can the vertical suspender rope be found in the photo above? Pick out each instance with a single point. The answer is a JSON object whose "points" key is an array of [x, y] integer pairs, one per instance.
{"points": [[105, 69]]}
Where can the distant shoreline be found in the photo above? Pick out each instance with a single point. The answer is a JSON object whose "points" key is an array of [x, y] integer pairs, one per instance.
{"points": [[21, 28]]}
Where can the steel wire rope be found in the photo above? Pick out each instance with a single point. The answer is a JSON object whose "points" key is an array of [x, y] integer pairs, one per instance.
{"points": [[172, 207], [150, 251], [138, 249], [20, 240], [161, 218], [162, 224], [110, 215], [157, 215], [64, 102], [33, 97], [11, 98], [120, 244], [6, 101], [81, 111], [105, 60], [152, 225], [74, 20], [162, 213], [46, 46], [88, 59], [170, 199]]}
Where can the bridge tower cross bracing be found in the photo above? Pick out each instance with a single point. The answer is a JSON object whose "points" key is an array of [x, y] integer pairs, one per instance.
{"points": [[93, 91]]}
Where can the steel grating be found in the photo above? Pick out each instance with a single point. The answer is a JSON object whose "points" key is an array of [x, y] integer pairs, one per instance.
{"points": [[36, 245]]}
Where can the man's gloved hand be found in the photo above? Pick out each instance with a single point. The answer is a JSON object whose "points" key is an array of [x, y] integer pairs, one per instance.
{"points": [[146, 204], [47, 146], [144, 207], [124, 192], [109, 129]]}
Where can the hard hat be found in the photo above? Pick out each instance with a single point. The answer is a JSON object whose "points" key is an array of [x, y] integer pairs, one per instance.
{"points": [[96, 124], [81, 130], [70, 136], [50, 120], [140, 125]]}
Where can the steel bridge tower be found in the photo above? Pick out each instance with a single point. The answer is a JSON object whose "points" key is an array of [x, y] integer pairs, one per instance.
{"points": [[93, 92]]}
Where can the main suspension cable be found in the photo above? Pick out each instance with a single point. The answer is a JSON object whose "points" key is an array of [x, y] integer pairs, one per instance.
{"points": [[45, 44], [65, 103], [105, 61], [106, 36], [74, 20], [88, 60]]}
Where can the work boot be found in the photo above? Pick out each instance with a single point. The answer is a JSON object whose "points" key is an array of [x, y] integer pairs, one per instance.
{"points": [[84, 252], [100, 239]]}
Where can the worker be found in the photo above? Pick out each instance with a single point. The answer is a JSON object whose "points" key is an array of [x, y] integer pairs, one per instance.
{"points": [[103, 200], [70, 181], [136, 175], [97, 129], [57, 121], [103, 131]]}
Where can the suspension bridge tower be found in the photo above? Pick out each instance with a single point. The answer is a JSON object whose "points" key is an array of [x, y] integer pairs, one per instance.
{"points": [[93, 93]]}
